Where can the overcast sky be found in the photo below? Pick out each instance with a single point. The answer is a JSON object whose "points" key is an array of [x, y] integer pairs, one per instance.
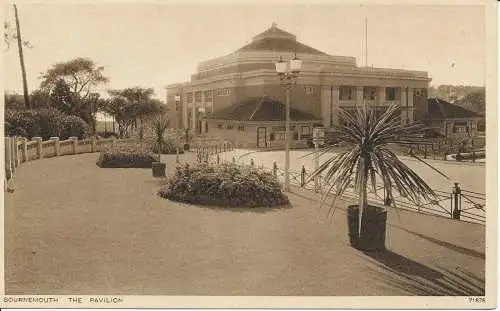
{"points": [[152, 45]]}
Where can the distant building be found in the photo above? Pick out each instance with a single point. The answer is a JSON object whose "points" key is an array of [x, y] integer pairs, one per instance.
{"points": [[325, 85], [451, 121]]}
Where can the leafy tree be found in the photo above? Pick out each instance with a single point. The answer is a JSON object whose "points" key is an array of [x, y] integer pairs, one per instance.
{"points": [[474, 101], [62, 98], [81, 76], [122, 110], [14, 101]]}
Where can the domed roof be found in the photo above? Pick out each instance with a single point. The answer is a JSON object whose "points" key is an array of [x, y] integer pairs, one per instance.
{"points": [[278, 40]]}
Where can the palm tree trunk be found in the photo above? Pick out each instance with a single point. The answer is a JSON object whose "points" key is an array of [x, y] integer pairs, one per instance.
{"points": [[21, 59]]}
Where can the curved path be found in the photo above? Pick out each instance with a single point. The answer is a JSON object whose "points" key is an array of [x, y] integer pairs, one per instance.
{"points": [[73, 228]]}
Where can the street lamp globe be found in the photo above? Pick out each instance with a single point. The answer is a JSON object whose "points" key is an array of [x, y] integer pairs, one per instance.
{"points": [[281, 67]]}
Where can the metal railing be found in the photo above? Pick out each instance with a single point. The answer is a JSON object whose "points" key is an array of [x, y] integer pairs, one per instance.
{"points": [[455, 204]]}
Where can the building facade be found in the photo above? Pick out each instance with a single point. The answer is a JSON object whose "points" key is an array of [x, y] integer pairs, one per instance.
{"points": [[325, 85]]}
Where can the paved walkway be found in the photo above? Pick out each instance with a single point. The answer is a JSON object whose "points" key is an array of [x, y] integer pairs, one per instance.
{"points": [[73, 228]]}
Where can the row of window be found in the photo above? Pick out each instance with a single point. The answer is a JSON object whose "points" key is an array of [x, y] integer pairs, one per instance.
{"points": [[206, 95], [231, 126]]}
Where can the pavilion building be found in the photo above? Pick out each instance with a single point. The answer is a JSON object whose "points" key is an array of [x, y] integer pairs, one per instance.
{"points": [[326, 84]]}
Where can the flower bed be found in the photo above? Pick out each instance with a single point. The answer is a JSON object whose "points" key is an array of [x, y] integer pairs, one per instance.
{"points": [[225, 185], [129, 155]]}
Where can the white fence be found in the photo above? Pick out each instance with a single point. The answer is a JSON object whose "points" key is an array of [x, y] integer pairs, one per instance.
{"points": [[19, 150]]}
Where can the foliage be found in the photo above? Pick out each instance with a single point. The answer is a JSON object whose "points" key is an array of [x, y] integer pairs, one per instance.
{"points": [[61, 97], [51, 122], [74, 126], [9, 35], [225, 185], [130, 104], [21, 123], [370, 156], [130, 155], [14, 101], [107, 134], [474, 101]]}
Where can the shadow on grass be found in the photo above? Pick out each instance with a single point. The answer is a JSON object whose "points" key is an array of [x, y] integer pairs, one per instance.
{"points": [[398, 272]]}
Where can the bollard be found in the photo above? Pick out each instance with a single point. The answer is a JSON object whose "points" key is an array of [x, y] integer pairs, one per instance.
{"points": [[303, 176], [445, 155], [56, 145], [251, 162], [275, 169], [8, 165], [457, 202]]}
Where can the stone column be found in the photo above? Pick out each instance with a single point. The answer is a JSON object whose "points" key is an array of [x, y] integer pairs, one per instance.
{"points": [[184, 111], [326, 100], [402, 104], [335, 108], [39, 150], [359, 97], [381, 95], [56, 145], [410, 104]]}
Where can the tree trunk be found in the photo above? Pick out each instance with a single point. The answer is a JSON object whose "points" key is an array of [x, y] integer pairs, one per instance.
{"points": [[21, 60]]}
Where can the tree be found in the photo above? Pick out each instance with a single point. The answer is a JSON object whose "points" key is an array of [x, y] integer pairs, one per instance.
{"points": [[370, 155], [9, 35], [61, 98], [474, 101], [81, 76], [122, 110], [141, 104]]}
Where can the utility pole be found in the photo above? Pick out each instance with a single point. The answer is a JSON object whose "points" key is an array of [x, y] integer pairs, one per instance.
{"points": [[21, 59]]}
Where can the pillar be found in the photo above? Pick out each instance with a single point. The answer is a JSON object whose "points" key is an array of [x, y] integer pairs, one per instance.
{"points": [[39, 150], [25, 150], [326, 101], [335, 106], [184, 112], [381, 95], [410, 104], [402, 103], [8, 159], [56, 145], [359, 97]]}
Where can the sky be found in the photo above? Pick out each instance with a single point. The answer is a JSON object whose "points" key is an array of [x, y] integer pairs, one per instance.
{"points": [[153, 45]]}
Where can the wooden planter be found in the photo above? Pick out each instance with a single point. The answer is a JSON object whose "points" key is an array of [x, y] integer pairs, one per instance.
{"points": [[159, 169], [373, 228]]}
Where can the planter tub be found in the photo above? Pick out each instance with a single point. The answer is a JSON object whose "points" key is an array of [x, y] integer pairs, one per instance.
{"points": [[373, 228], [159, 169]]}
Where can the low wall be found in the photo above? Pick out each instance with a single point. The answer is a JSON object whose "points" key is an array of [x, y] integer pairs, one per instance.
{"points": [[19, 150]]}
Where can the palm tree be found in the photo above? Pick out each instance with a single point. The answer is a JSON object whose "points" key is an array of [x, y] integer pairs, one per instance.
{"points": [[370, 157]]}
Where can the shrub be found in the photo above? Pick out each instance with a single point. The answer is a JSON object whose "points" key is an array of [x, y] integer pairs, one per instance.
{"points": [[167, 146], [51, 122], [107, 134], [74, 126], [226, 185], [130, 155], [21, 123]]}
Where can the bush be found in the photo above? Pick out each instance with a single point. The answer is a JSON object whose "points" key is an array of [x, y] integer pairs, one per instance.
{"points": [[226, 185], [74, 126], [167, 146], [130, 155], [51, 122], [21, 123], [107, 134]]}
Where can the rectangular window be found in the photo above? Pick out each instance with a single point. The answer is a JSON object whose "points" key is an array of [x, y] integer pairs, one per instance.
{"points": [[369, 93], [241, 127], [230, 126], [220, 126], [189, 98], [197, 96], [345, 93], [208, 96], [278, 128], [309, 90], [305, 130], [223, 92], [390, 93]]}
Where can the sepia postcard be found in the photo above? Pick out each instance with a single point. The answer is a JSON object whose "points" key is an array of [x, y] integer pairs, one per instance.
{"points": [[250, 154]]}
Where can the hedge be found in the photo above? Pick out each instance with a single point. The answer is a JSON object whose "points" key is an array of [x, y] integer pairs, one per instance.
{"points": [[130, 155]]}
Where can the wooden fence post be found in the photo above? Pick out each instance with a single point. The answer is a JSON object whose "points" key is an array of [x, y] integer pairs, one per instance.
{"points": [[39, 150], [8, 154], [56, 145]]}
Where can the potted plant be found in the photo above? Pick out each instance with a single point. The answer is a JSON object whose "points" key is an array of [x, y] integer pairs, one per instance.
{"points": [[370, 157], [159, 125]]}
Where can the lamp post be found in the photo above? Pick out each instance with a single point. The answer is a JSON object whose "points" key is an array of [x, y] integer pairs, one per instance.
{"points": [[288, 73]]}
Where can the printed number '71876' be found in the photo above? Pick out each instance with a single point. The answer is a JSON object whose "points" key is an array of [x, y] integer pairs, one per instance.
{"points": [[477, 299]]}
